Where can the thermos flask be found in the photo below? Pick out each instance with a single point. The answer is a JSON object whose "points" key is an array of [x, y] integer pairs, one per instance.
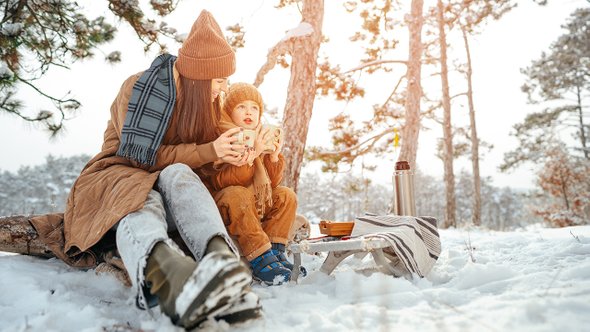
{"points": [[403, 190]]}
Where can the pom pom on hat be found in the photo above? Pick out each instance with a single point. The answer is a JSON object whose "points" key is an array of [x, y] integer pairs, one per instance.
{"points": [[205, 54]]}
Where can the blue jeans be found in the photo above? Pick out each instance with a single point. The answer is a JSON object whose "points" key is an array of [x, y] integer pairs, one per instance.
{"points": [[181, 203]]}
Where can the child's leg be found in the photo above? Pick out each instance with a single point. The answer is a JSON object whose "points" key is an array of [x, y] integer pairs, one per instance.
{"points": [[279, 222], [279, 218], [238, 211]]}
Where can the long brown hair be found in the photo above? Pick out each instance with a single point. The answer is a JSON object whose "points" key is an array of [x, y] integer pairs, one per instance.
{"points": [[196, 115]]}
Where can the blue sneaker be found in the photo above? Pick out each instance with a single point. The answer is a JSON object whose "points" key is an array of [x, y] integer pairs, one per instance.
{"points": [[278, 249], [267, 269]]}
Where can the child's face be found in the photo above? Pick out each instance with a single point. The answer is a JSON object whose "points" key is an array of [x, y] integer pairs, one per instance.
{"points": [[246, 114]]}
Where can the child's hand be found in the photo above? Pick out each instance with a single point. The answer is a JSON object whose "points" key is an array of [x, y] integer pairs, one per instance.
{"points": [[274, 157], [250, 156], [259, 144]]}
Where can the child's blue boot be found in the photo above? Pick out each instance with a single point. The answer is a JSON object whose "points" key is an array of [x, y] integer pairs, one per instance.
{"points": [[278, 249], [266, 268]]}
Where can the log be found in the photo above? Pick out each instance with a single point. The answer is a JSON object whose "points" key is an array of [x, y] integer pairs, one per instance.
{"points": [[17, 235]]}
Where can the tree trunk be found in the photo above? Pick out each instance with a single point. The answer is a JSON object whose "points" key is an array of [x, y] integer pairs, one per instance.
{"points": [[411, 129], [447, 132], [17, 235], [476, 216], [564, 180], [582, 131], [301, 92]]}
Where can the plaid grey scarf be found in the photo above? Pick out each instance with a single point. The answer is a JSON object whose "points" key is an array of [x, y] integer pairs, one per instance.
{"points": [[148, 112]]}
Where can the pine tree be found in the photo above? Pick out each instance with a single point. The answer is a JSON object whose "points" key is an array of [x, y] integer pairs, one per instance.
{"points": [[38, 35], [382, 23], [559, 79]]}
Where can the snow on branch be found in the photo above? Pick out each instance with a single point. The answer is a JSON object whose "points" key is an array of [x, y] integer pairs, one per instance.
{"points": [[302, 30], [283, 47]]}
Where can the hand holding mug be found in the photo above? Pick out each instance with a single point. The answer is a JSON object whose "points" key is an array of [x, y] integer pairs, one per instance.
{"points": [[277, 142], [273, 136]]}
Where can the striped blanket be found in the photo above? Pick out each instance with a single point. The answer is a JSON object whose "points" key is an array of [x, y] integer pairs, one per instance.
{"points": [[415, 243]]}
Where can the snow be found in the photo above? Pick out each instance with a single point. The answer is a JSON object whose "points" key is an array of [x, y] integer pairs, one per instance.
{"points": [[534, 279], [5, 73], [303, 29], [12, 29], [180, 37]]}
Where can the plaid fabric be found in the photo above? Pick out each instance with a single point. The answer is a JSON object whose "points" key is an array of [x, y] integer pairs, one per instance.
{"points": [[148, 112], [415, 242]]}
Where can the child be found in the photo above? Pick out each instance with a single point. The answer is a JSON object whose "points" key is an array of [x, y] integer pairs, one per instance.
{"points": [[255, 209]]}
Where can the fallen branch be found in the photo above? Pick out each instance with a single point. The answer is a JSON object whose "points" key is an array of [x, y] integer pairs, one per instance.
{"points": [[17, 235]]}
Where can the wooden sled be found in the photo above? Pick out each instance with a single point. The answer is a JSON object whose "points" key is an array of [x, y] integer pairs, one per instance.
{"points": [[338, 249]]}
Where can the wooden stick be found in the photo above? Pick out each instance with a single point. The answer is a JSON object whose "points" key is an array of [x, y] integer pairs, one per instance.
{"points": [[17, 235]]}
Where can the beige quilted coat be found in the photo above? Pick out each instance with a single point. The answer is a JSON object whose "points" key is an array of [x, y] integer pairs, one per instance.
{"points": [[111, 187]]}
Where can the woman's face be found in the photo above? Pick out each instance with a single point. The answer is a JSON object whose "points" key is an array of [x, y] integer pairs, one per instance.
{"points": [[218, 85], [246, 114]]}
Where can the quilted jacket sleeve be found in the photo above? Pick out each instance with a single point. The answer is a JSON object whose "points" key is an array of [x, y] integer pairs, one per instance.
{"points": [[233, 176], [274, 170]]}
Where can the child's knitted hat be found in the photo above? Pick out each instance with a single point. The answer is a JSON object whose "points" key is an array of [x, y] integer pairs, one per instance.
{"points": [[205, 54], [239, 92]]}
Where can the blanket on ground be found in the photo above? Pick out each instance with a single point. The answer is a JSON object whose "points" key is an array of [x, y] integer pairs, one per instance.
{"points": [[415, 242]]}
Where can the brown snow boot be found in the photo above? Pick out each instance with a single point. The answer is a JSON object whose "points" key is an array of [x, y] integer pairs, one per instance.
{"points": [[247, 306], [190, 293], [217, 243], [166, 272]]}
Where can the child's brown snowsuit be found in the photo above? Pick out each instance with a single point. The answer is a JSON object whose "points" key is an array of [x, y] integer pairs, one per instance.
{"points": [[255, 209]]}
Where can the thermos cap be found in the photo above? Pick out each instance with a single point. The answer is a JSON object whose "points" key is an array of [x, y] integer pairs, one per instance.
{"points": [[402, 165]]}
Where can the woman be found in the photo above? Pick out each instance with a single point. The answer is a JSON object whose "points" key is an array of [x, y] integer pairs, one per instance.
{"points": [[143, 185]]}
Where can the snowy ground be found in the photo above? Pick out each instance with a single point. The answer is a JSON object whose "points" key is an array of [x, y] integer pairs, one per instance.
{"points": [[534, 280]]}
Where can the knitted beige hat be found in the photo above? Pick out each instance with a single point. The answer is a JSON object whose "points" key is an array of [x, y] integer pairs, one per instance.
{"points": [[205, 54], [239, 92]]}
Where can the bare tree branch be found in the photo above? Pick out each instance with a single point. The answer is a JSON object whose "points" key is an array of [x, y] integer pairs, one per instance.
{"points": [[374, 63], [458, 95], [373, 138], [281, 48], [393, 92]]}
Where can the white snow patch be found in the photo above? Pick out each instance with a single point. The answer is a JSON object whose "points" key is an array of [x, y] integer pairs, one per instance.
{"points": [[526, 280], [303, 29]]}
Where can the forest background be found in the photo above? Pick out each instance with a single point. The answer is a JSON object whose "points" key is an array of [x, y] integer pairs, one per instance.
{"points": [[360, 97]]}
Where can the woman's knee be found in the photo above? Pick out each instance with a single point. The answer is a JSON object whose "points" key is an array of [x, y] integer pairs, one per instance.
{"points": [[176, 173], [175, 169]]}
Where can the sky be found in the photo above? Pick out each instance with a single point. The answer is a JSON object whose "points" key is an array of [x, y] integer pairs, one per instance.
{"points": [[526, 280], [498, 53]]}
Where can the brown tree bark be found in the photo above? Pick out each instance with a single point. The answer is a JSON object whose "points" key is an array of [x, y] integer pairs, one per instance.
{"points": [[476, 216], [447, 129], [411, 129], [585, 149], [17, 235], [301, 92]]}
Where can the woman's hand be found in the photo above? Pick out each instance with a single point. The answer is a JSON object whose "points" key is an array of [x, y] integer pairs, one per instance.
{"points": [[228, 152]]}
